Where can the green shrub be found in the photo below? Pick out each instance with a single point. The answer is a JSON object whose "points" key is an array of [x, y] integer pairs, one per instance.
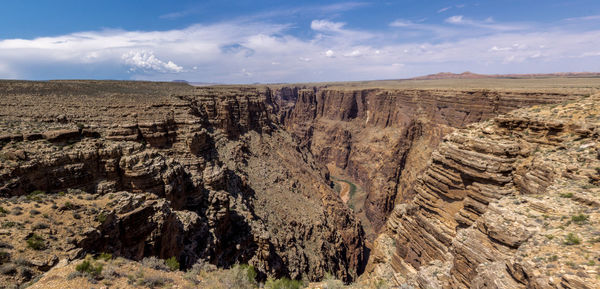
{"points": [[380, 284], [566, 195], [4, 257], [588, 186], [250, 272], [572, 239], [3, 210], [154, 263], [239, 276], [40, 226], [591, 263], [332, 282], [283, 283], [36, 195], [172, 264], [88, 268], [579, 219], [101, 217], [105, 256], [36, 242], [68, 206], [8, 224]]}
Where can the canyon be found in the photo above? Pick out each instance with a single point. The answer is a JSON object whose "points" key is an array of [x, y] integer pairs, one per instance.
{"points": [[448, 185]]}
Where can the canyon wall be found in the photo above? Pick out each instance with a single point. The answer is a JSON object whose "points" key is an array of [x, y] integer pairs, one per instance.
{"points": [[232, 185], [508, 203], [382, 138]]}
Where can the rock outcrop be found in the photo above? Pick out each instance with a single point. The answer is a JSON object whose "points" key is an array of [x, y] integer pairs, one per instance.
{"points": [[229, 185], [499, 206], [382, 138]]}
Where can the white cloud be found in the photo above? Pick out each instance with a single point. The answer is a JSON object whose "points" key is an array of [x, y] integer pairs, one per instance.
{"points": [[245, 72], [354, 53], [147, 62], [176, 15], [496, 48], [325, 25], [444, 9], [584, 18], [402, 23], [457, 19], [246, 52], [488, 24], [338, 7]]}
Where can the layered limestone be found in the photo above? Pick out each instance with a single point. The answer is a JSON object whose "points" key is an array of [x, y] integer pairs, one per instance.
{"points": [[200, 174], [507, 203], [382, 138]]}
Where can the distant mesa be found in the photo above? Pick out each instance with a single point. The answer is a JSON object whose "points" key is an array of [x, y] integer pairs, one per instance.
{"points": [[180, 81], [450, 75], [470, 75]]}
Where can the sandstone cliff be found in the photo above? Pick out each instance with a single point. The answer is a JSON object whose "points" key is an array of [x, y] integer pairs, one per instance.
{"points": [[508, 203], [227, 185], [382, 138]]}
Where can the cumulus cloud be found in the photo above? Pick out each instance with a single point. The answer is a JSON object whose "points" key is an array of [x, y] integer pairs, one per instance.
{"points": [[146, 61]]}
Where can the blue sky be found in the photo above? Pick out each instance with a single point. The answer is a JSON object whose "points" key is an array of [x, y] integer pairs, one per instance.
{"points": [[276, 41]]}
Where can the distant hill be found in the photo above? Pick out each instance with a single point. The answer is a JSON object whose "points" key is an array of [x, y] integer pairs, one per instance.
{"points": [[450, 75], [470, 75]]}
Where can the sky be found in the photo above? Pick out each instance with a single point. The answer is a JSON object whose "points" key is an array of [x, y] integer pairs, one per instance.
{"points": [[293, 41]]}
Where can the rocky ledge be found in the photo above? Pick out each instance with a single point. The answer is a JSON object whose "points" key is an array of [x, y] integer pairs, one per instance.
{"points": [[381, 138], [513, 202], [167, 170]]}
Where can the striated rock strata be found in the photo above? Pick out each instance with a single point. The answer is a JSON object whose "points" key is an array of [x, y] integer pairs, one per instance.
{"points": [[382, 138], [229, 185], [507, 203]]}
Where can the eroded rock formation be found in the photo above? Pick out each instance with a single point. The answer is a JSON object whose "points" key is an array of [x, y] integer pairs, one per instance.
{"points": [[382, 138], [230, 185], [499, 206], [230, 175]]}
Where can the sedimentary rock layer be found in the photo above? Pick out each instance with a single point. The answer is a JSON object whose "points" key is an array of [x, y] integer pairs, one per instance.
{"points": [[232, 185], [499, 206], [382, 138]]}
